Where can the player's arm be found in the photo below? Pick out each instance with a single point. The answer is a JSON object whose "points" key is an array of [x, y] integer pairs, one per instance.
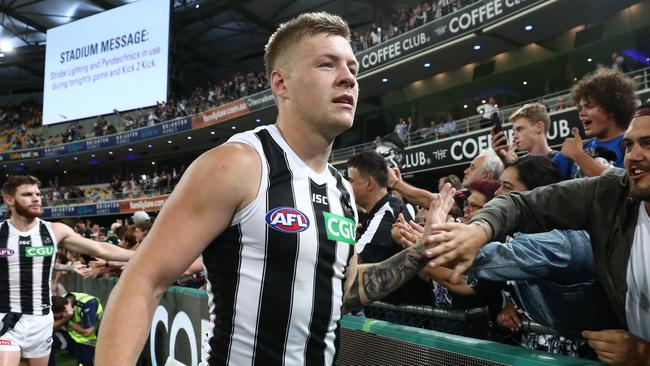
{"points": [[366, 283], [69, 239], [218, 184]]}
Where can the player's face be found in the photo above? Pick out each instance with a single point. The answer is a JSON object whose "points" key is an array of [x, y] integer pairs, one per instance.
{"points": [[322, 86], [26, 201], [637, 157], [595, 121], [525, 134]]}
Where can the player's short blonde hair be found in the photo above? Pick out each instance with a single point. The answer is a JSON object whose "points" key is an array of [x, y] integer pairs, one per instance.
{"points": [[304, 25]]}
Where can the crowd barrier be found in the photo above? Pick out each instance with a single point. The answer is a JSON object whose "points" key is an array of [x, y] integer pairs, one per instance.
{"points": [[180, 323]]}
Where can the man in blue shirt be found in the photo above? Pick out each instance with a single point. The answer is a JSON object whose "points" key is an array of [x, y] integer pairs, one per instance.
{"points": [[606, 101]]}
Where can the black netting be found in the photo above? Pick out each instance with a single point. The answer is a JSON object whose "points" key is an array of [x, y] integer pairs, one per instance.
{"points": [[359, 348]]}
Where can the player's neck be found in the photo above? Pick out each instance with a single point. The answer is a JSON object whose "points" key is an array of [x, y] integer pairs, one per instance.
{"points": [[22, 223], [311, 147]]}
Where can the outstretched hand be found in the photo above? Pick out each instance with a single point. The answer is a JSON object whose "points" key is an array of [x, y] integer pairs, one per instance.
{"points": [[439, 209], [455, 245], [409, 231]]}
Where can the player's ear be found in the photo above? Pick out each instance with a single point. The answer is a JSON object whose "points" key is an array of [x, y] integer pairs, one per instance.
{"points": [[9, 200], [278, 82]]}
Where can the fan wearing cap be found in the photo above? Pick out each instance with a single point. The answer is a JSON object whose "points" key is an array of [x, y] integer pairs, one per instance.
{"points": [[140, 217]]}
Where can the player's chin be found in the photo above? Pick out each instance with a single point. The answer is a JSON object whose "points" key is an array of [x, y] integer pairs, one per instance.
{"points": [[36, 212]]}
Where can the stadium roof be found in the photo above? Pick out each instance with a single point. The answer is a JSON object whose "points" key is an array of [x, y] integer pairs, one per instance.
{"points": [[210, 38]]}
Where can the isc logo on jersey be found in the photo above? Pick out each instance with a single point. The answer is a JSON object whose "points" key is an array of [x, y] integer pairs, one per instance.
{"points": [[43, 251], [287, 220]]}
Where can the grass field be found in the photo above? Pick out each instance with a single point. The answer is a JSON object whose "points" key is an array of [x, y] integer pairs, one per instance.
{"points": [[63, 358]]}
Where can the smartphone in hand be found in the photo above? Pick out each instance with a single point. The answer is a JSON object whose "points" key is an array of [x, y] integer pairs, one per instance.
{"points": [[496, 122]]}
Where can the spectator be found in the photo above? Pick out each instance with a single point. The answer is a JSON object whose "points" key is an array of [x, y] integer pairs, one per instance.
{"points": [[81, 229], [480, 193], [530, 124], [561, 104], [618, 62], [487, 110], [402, 129], [452, 179], [606, 100], [486, 165], [427, 132], [140, 217], [552, 272]]}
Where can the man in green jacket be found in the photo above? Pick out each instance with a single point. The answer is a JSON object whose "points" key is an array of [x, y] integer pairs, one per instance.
{"points": [[614, 208]]}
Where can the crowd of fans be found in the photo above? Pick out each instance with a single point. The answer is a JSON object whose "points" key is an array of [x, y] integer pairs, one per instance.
{"points": [[135, 186], [126, 233], [404, 20], [21, 124], [553, 278], [22, 129]]}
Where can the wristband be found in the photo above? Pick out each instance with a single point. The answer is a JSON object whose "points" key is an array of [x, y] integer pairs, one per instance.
{"points": [[482, 224]]}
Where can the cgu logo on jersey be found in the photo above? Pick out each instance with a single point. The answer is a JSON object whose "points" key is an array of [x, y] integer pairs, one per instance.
{"points": [[6, 252], [43, 251], [339, 228], [287, 220]]}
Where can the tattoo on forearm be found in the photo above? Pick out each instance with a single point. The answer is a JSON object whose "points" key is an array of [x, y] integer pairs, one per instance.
{"points": [[352, 300], [379, 279]]}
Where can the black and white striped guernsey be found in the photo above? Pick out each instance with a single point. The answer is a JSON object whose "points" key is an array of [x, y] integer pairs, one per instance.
{"points": [[26, 261], [276, 275]]}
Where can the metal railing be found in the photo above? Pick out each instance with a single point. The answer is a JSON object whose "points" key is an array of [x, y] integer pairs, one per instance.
{"points": [[465, 316]]}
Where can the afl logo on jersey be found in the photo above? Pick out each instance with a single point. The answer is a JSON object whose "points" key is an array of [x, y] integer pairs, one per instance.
{"points": [[6, 252], [287, 220]]}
